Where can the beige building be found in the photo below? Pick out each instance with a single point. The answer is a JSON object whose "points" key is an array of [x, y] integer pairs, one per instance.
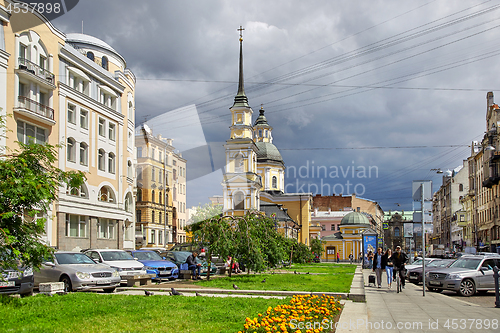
{"points": [[161, 191], [77, 90]]}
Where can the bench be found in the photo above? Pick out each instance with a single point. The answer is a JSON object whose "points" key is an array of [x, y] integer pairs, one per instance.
{"points": [[138, 280]]}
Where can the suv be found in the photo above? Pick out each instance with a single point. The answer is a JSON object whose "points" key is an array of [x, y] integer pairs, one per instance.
{"points": [[120, 260], [466, 276]]}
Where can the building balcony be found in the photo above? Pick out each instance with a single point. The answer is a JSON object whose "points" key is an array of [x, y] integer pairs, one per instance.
{"points": [[32, 71], [35, 110]]}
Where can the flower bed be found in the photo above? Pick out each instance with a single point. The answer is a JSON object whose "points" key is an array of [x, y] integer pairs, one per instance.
{"points": [[304, 313]]}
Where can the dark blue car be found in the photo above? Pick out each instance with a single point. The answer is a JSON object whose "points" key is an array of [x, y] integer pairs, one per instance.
{"points": [[154, 264]]}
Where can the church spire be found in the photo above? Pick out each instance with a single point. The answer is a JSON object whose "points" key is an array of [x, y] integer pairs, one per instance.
{"points": [[241, 99]]}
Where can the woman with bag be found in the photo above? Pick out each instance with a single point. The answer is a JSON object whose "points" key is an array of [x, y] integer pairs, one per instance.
{"points": [[389, 266]]}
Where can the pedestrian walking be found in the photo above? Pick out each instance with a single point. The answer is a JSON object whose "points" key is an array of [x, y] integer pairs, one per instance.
{"points": [[378, 266], [389, 267], [338, 257], [370, 259], [351, 257]]}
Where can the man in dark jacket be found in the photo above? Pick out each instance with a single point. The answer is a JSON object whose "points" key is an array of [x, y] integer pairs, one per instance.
{"points": [[399, 259], [193, 266]]}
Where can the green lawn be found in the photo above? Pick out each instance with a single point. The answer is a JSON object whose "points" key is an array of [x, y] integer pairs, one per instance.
{"points": [[337, 279], [89, 312]]}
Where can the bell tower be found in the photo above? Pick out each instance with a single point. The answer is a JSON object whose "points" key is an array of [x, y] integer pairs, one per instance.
{"points": [[241, 183]]}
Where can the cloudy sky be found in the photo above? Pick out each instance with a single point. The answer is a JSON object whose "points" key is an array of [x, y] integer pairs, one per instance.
{"points": [[393, 87]]}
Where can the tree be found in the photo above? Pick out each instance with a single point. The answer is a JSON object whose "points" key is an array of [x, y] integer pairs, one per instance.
{"points": [[29, 183], [317, 246], [206, 212]]}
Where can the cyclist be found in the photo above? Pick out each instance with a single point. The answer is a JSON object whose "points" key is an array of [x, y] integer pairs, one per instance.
{"points": [[399, 259]]}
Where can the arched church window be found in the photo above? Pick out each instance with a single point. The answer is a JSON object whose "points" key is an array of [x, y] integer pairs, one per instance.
{"points": [[275, 182], [238, 163], [239, 202]]}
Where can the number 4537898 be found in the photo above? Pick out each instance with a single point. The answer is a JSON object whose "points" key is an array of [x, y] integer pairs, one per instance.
{"points": [[43, 8]]}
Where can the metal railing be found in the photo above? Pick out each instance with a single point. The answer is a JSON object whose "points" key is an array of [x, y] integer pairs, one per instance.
{"points": [[40, 109], [34, 69]]}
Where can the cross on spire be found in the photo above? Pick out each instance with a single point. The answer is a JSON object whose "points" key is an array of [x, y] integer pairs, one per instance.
{"points": [[241, 32]]}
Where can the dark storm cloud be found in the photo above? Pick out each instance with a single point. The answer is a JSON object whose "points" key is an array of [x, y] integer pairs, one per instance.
{"points": [[324, 72]]}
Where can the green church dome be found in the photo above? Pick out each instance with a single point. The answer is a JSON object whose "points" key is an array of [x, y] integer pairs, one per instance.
{"points": [[355, 218], [268, 152]]}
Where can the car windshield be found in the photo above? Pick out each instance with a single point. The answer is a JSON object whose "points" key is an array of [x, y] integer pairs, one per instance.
{"points": [[116, 255], [73, 258], [467, 263], [148, 255], [435, 263]]}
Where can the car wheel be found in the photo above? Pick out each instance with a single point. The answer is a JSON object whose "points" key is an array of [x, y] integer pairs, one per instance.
{"points": [[67, 284], [109, 290], [467, 288]]}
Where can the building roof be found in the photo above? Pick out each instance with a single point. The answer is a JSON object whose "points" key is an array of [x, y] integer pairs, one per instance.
{"points": [[78, 38], [261, 120], [355, 218], [279, 212], [268, 152]]}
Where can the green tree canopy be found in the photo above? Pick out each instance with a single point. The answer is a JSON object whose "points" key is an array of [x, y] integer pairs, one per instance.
{"points": [[29, 183]]}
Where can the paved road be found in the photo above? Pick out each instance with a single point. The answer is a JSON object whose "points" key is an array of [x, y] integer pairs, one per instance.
{"points": [[487, 300]]}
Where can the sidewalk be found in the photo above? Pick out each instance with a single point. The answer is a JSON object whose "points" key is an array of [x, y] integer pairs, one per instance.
{"points": [[409, 311]]}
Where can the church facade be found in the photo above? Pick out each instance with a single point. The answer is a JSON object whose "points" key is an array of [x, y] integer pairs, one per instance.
{"points": [[254, 176]]}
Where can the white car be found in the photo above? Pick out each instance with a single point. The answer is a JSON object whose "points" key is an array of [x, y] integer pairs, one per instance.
{"points": [[120, 260]]}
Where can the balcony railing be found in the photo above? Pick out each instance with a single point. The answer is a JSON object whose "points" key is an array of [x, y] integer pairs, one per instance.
{"points": [[25, 64], [40, 109]]}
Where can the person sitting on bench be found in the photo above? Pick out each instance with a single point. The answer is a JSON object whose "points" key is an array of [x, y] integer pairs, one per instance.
{"points": [[193, 266]]}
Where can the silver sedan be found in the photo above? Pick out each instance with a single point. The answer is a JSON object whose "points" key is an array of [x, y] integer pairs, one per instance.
{"points": [[78, 272]]}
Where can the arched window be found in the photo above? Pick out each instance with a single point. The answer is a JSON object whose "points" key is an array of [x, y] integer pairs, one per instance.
{"points": [[396, 232], [111, 163], [84, 154], [238, 163], [104, 62], [71, 150], [106, 194], [130, 111], [100, 160], [275, 182], [239, 202], [79, 192], [153, 196], [90, 55], [128, 203]]}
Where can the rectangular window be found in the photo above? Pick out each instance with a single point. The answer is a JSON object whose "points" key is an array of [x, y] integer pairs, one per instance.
{"points": [[27, 133], [23, 90], [160, 156], [76, 225], [111, 132], [84, 119], [332, 228], [153, 174], [43, 98], [138, 216], [71, 113], [152, 237], [160, 237], [42, 62], [153, 153], [106, 229], [139, 152], [22, 51], [102, 125]]}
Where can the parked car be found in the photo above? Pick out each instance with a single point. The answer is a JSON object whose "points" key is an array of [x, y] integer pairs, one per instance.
{"points": [[78, 272], [466, 276], [179, 258], [17, 281], [415, 274], [418, 263], [154, 264], [120, 260]]}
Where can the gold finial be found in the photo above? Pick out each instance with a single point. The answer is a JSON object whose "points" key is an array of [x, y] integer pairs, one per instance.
{"points": [[241, 32], [262, 106]]}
